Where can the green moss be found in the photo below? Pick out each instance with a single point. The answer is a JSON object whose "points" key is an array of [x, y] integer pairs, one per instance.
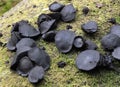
{"points": [[69, 76], [5, 5], [118, 19]]}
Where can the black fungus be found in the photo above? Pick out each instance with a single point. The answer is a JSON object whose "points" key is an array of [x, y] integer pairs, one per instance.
{"points": [[36, 74], [49, 36], [26, 42], [15, 27], [24, 66], [90, 59], [42, 18], [116, 53], [20, 53], [61, 64], [64, 40], [87, 60], [27, 30], [90, 27], [48, 22], [45, 26], [40, 57], [90, 45], [11, 44], [115, 29], [68, 13], [106, 61], [56, 7], [112, 20], [56, 16], [85, 10], [79, 42], [110, 41]]}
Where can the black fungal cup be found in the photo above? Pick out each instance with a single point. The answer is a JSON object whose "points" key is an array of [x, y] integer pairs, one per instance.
{"points": [[26, 42], [47, 22], [110, 41], [68, 13], [25, 29], [90, 59], [64, 40], [14, 39], [56, 7], [115, 29], [79, 42], [36, 74], [90, 27], [116, 53], [90, 45], [24, 66], [87, 60], [49, 36], [39, 57]]}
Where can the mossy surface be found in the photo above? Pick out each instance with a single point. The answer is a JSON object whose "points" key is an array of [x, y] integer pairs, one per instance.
{"points": [[5, 5], [69, 76]]}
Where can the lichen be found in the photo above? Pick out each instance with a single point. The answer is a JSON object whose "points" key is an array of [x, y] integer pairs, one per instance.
{"points": [[69, 76]]}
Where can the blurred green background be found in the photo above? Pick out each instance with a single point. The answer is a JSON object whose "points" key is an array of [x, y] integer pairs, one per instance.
{"points": [[5, 5]]}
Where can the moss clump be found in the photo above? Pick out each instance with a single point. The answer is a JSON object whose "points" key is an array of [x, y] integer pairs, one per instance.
{"points": [[68, 76]]}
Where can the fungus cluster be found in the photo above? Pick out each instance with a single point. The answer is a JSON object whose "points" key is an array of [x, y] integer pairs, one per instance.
{"points": [[29, 60], [32, 61], [90, 59]]}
